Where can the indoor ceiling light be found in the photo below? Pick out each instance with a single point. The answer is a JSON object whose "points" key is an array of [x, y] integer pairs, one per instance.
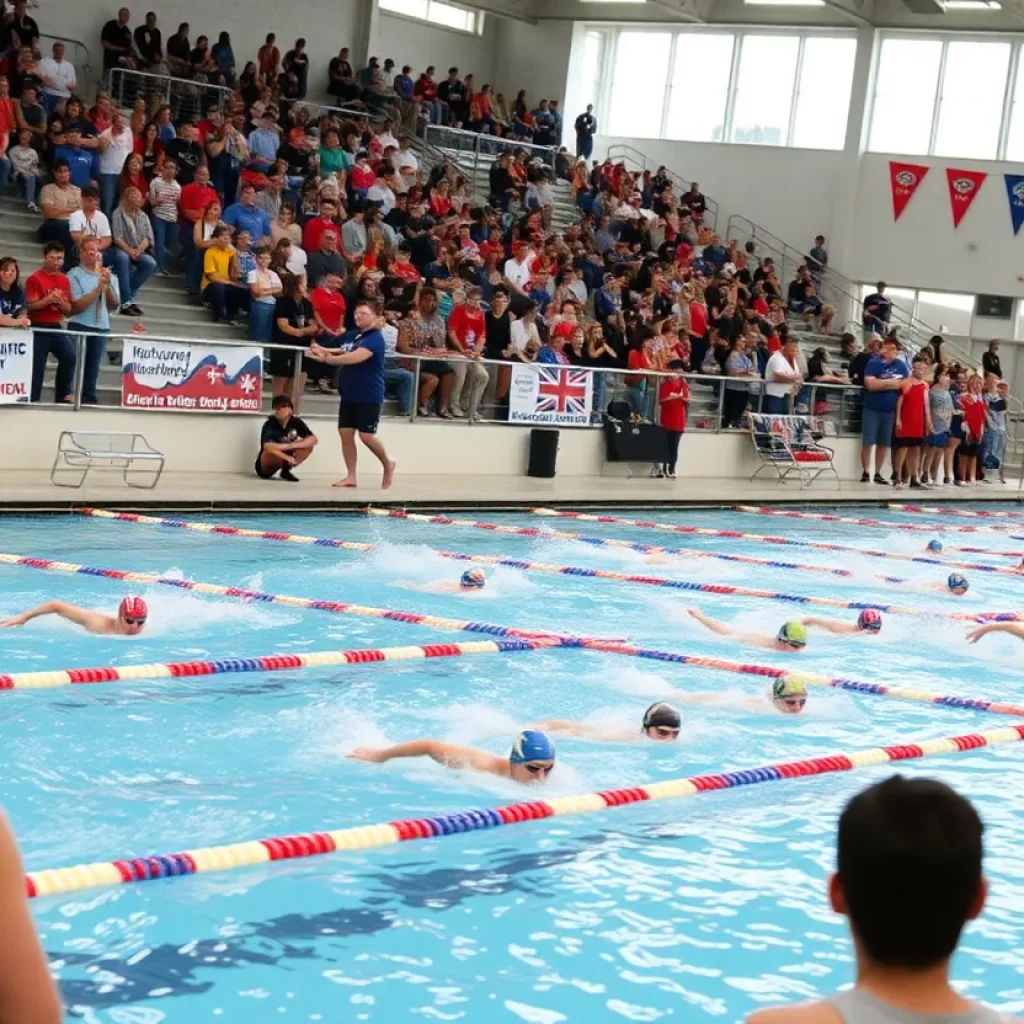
{"points": [[972, 5]]}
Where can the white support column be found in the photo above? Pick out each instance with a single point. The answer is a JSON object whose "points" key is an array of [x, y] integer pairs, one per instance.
{"points": [[368, 32]]}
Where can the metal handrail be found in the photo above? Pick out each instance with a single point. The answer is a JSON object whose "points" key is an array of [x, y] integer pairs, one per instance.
{"points": [[171, 86]]}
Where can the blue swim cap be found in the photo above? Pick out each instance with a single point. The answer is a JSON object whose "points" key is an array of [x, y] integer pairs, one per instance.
{"points": [[935, 545], [956, 581], [472, 578], [532, 745]]}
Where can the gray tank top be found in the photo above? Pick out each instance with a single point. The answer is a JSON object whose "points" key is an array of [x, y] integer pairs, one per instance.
{"points": [[857, 1007]]}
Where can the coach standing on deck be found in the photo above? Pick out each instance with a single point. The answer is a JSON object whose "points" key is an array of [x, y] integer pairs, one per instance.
{"points": [[361, 384]]}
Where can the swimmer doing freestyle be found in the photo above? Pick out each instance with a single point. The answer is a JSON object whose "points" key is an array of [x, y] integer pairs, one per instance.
{"points": [[661, 723], [470, 583], [129, 621], [869, 623], [790, 639], [531, 760]]}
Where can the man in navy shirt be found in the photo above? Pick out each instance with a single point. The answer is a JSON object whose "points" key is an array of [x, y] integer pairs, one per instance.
{"points": [[361, 385], [877, 310], [883, 380]]}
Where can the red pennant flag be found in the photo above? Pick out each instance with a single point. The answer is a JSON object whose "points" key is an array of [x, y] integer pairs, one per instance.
{"points": [[963, 187], [904, 179]]}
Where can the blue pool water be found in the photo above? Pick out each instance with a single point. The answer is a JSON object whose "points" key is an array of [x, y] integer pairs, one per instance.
{"points": [[692, 910]]}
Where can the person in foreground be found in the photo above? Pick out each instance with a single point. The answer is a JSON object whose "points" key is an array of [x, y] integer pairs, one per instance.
{"points": [[661, 723], [532, 758], [469, 584], [868, 623], [908, 878], [361, 385], [791, 637], [285, 441], [129, 621]]}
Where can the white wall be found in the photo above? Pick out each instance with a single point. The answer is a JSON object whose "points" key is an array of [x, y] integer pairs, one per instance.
{"points": [[420, 44], [534, 58]]}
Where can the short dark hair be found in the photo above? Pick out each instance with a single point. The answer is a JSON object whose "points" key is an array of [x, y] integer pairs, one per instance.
{"points": [[880, 285], [280, 401], [90, 192], [909, 864], [453, 71], [61, 165], [53, 247]]}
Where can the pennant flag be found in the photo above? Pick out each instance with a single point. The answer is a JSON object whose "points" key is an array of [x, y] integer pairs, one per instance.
{"points": [[904, 179], [1015, 193], [963, 187]]}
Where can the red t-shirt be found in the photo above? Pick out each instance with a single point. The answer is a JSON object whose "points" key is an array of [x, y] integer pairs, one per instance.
{"points": [[912, 419], [698, 319], [761, 306], [406, 271], [440, 206], [425, 88], [673, 410], [329, 306], [362, 177], [37, 285], [468, 325], [974, 415], [314, 232], [195, 198]]}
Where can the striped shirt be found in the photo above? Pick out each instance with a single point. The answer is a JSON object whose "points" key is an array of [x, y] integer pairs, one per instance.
{"points": [[163, 198]]}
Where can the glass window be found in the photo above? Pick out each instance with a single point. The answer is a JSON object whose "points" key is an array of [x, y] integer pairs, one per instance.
{"points": [[823, 99], [905, 87], [764, 89], [638, 84], [410, 8], [1015, 137], [700, 87], [593, 62], [947, 312], [436, 12], [971, 103]]}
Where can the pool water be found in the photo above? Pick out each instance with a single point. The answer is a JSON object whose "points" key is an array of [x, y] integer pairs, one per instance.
{"points": [[691, 910]]}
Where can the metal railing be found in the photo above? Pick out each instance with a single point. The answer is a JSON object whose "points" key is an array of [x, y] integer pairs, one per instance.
{"points": [[187, 97], [76, 53], [626, 154], [476, 152]]}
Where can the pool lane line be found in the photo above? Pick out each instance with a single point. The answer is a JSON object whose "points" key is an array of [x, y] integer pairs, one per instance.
{"points": [[941, 510], [365, 837], [819, 545], [822, 517], [261, 663]]}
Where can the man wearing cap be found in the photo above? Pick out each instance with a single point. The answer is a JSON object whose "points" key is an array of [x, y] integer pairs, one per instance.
{"points": [[129, 621]]}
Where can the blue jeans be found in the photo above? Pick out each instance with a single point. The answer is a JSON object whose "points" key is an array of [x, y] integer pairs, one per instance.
{"points": [[225, 300], [5, 170], [94, 349], [584, 146], [62, 348], [261, 321], [402, 379], [775, 405], [597, 393], [29, 183], [163, 239], [636, 396], [131, 274], [993, 448], [110, 187], [193, 258]]}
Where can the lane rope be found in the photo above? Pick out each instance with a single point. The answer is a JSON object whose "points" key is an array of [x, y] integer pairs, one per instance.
{"points": [[526, 566], [965, 513], [822, 517], [818, 545], [261, 663], [364, 837]]}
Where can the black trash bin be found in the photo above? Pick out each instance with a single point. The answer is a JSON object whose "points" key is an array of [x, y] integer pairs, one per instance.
{"points": [[543, 453]]}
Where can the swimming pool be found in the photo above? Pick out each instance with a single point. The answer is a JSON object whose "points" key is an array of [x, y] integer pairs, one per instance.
{"points": [[700, 909]]}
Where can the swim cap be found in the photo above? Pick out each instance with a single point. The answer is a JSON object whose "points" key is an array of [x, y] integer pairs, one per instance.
{"points": [[957, 582], [133, 608], [472, 578], [788, 686], [662, 714], [532, 745], [870, 619], [935, 545], [793, 634]]}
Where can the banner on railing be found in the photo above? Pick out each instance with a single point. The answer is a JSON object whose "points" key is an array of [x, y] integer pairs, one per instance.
{"points": [[201, 378], [15, 365], [555, 395]]}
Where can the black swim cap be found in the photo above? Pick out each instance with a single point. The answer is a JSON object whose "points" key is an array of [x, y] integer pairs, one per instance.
{"points": [[662, 714]]}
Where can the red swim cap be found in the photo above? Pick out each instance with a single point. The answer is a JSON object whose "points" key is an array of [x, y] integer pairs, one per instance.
{"points": [[133, 608]]}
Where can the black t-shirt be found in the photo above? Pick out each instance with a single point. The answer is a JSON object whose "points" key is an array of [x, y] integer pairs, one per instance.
{"points": [[27, 31], [320, 263], [857, 366], [990, 363], [498, 335], [452, 93], [795, 291], [815, 368], [397, 219], [295, 61], [339, 68], [297, 159], [188, 156], [12, 303], [294, 430], [149, 43], [298, 313], [694, 203], [120, 37], [178, 47]]}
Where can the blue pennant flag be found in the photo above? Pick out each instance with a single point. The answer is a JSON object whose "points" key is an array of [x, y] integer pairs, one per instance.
{"points": [[1015, 193]]}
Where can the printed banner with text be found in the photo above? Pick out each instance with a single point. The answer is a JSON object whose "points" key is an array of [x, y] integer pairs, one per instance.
{"points": [[203, 378], [963, 187], [556, 395], [904, 179], [1015, 193], [15, 365]]}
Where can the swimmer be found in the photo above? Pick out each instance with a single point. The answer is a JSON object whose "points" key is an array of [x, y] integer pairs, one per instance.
{"points": [[791, 638], [935, 547], [787, 695], [956, 584], [868, 622], [129, 621], [469, 584], [1013, 628], [532, 758], [661, 722]]}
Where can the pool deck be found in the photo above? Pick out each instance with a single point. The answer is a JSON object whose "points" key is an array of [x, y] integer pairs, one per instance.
{"points": [[24, 491]]}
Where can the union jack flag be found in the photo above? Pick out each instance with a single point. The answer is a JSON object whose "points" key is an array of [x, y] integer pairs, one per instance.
{"points": [[562, 390]]}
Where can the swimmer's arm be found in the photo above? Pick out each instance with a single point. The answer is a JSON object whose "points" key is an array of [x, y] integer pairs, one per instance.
{"points": [[568, 728], [448, 754], [27, 992], [832, 625], [1013, 628], [713, 624], [67, 611]]}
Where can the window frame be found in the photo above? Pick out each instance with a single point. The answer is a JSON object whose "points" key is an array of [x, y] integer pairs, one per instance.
{"points": [[476, 18]]}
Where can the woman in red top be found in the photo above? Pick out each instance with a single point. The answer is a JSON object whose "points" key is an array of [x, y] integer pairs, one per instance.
{"points": [[132, 176], [673, 398], [973, 406], [440, 204], [698, 328], [913, 425], [636, 383]]}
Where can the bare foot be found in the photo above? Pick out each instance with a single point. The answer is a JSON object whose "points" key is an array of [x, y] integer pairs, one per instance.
{"points": [[389, 475], [349, 481]]}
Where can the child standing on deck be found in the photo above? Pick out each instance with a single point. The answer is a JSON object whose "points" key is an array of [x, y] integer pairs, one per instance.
{"points": [[973, 407], [673, 400], [994, 446], [913, 425]]}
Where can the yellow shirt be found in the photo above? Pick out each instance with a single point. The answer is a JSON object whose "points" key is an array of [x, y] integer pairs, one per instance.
{"points": [[216, 261]]}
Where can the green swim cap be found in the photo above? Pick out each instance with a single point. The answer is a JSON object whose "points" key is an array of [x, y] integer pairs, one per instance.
{"points": [[788, 686], [793, 634]]}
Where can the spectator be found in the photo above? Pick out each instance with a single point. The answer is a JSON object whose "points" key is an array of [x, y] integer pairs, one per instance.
{"points": [[425, 91], [220, 291], [48, 297], [883, 378], [913, 426], [990, 360], [424, 335], [150, 47], [403, 86], [285, 227], [194, 203], [994, 443], [59, 79], [115, 146], [164, 199], [673, 402], [94, 294], [326, 221], [467, 331], [972, 406], [131, 252], [18, 28], [247, 216], [327, 259], [341, 79], [268, 59], [24, 161], [133, 176], [31, 115], [694, 202], [265, 288], [82, 161], [939, 451], [817, 262], [739, 368], [116, 40], [285, 442], [783, 379], [329, 309], [59, 200], [353, 235], [296, 62], [586, 128], [224, 57], [544, 126], [296, 327], [877, 311], [452, 93], [13, 305], [179, 49], [202, 64], [186, 152]]}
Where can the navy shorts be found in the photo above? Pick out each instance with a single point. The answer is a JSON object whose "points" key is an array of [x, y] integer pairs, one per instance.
{"points": [[876, 427], [938, 440], [361, 416]]}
